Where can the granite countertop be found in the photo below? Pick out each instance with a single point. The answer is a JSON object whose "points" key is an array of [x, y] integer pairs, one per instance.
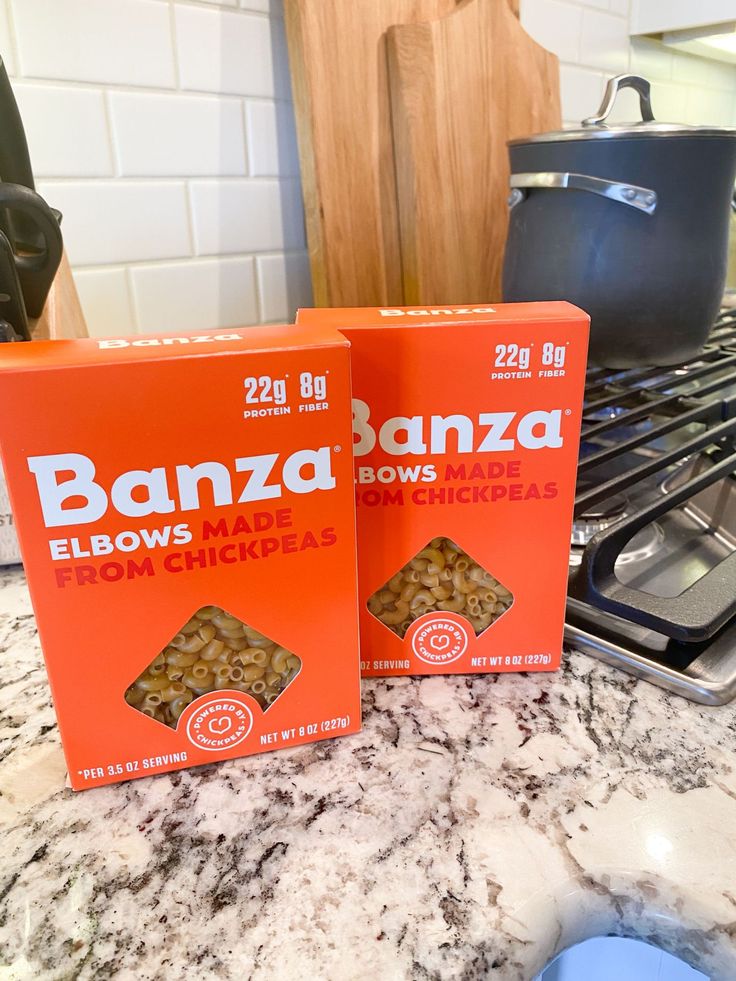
{"points": [[476, 827]]}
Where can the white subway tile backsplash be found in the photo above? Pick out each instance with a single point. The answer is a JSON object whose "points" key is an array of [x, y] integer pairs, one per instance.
{"points": [[66, 129], [195, 295], [284, 285], [703, 71], [272, 146], [114, 41], [177, 135], [247, 216], [106, 303], [669, 102], [627, 108], [722, 74], [604, 42], [690, 70], [651, 59], [7, 51], [556, 26], [228, 52], [273, 7], [581, 92], [707, 106], [109, 222]]}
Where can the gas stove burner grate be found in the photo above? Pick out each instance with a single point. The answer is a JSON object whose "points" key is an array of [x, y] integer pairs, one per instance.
{"points": [[597, 518], [652, 573]]}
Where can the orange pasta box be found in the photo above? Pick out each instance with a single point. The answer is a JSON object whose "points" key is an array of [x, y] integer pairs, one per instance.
{"points": [[185, 509], [466, 426]]}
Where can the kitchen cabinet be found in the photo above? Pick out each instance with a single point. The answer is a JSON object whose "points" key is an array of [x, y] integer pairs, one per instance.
{"points": [[657, 16]]}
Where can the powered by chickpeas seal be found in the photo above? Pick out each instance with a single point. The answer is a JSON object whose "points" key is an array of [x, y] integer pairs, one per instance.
{"points": [[186, 514], [439, 639], [219, 721], [466, 425]]}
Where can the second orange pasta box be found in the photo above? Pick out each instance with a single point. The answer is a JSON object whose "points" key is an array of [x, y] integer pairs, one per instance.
{"points": [[185, 509], [466, 429]]}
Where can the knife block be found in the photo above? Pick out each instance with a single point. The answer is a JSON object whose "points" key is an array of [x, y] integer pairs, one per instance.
{"points": [[62, 315]]}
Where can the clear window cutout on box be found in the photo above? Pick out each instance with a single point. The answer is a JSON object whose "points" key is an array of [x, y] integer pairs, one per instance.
{"points": [[213, 650], [441, 576]]}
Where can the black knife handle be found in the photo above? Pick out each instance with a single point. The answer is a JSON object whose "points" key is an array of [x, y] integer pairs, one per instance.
{"points": [[7, 333], [36, 270], [12, 306], [15, 163]]}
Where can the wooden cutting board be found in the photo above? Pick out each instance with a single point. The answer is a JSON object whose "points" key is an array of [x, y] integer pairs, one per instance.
{"points": [[461, 86], [337, 53]]}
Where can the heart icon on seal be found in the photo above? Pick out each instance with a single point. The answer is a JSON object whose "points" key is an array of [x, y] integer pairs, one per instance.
{"points": [[439, 638], [439, 642], [219, 726]]}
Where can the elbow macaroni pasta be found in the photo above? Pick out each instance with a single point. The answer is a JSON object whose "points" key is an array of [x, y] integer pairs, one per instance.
{"points": [[440, 577], [214, 650]]}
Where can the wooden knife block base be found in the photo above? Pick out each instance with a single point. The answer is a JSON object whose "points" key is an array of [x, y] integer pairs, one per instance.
{"points": [[62, 315]]}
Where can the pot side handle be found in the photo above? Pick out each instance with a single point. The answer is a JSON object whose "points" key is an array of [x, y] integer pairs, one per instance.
{"points": [[641, 198], [613, 87]]}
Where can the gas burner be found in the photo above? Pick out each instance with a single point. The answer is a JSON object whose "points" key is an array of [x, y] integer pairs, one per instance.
{"points": [[682, 384], [597, 518], [604, 414], [645, 544], [657, 592]]}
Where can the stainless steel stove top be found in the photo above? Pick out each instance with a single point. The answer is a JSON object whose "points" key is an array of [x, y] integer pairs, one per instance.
{"points": [[653, 551]]}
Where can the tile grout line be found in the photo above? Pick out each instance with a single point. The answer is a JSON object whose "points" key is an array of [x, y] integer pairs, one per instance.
{"points": [[13, 30], [190, 220], [246, 138], [112, 143], [132, 298], [174, 44], [125, 180], [256, 281], [133, 89], [209, 258]]}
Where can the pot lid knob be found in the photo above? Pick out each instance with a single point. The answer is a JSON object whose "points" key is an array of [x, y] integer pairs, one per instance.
{"points": [[613, 87]]}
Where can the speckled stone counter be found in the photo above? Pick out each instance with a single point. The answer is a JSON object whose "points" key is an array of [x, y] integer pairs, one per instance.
{"points": [[475, 828]]}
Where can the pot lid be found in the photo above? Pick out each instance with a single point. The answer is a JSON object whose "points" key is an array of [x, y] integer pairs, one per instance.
{"points": [[596, 128]]}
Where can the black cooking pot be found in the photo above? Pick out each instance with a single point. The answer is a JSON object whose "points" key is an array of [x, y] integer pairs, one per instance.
{"points": [[628, 222]]}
